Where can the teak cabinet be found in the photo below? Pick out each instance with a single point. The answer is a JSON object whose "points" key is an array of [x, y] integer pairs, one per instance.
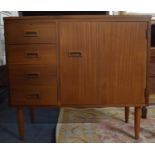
{"points": [[78, 61]]}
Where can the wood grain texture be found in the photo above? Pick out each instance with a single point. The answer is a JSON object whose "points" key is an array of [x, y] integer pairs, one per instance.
{"points": [[137, 122], [152, 51], [127, 112], [30, 32], [34, 96], [32, 54], [80, 17], [152, 56], [112, 69], [152, 69], [23, 75], [151, 85], [20, 116], [152, 72]]}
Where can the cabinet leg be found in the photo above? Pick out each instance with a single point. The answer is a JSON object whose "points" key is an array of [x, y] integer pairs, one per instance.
{"points": [[31, 115], [137, 121], [144, 112], [127, 110], [20, 116]]}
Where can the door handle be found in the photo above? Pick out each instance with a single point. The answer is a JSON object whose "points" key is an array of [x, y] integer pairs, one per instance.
{"points": [[32, 75], [75, 54]]}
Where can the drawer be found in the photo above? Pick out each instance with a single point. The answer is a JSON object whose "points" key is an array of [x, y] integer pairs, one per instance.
{"points": [[30, 32], [34, 96], [31, 54], [152, 69], [152, 59], [152, 51], [32, 75], [152, 55], [152, 85]]}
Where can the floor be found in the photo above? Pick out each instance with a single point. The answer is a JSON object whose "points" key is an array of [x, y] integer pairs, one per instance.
{"points": [[42, 131], [103, 125]]}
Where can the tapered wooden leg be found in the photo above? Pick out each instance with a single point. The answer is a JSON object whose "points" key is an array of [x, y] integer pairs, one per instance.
{"points": [[127, 110], [144, 112], [20, 116], [137, 121], [31, 115]]}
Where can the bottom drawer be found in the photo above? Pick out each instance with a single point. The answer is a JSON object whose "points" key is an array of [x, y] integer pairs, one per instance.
{"points": [[34, 96]]}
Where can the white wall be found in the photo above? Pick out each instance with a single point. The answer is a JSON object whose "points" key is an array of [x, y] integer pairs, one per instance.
{"points": [[2, 44]]}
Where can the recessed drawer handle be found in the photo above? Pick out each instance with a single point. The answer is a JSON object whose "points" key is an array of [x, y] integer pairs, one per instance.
{"points": [[32, 75], [75, 54], [30, 34], [33, 96], [32, 55]]}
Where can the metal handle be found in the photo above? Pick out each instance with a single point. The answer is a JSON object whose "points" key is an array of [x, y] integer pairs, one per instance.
{"points": [[32, 55], [30, 34], [74, 54], [32, 75], [33, 96]]}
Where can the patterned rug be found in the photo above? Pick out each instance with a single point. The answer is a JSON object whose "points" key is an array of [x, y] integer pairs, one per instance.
{"points": [[102, 125]]}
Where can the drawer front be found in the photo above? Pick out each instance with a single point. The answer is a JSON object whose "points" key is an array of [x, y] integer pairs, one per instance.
{"points": [[152, 55], [34, 96], [152, 51], [30, 32], [152, 85], [32, 75], [152, 69], [152, 63], [152, 59], [31, 54]]}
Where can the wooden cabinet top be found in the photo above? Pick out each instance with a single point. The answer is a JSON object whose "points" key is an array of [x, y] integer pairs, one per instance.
{"points": [[85, 17]]}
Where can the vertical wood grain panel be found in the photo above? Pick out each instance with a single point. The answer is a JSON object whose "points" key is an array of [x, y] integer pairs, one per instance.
{"points": [[112, 69]]}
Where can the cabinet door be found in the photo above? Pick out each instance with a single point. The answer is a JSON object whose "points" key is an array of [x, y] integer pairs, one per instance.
{"points": [[102, 63]]}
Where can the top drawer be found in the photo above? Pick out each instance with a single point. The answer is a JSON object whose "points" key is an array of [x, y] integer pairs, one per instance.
{"points": [[30, 32]]}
